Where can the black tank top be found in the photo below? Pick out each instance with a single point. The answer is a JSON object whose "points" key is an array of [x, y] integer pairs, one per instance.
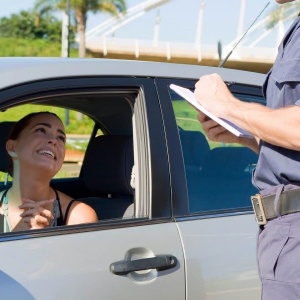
{"points": [[60, 220]]}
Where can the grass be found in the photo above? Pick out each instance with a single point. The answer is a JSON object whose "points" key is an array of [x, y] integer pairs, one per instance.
{"points": [[18, 47], [33, 48]]}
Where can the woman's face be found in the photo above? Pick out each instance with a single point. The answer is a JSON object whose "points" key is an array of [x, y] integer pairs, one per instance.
{"points": [[40, 144]]}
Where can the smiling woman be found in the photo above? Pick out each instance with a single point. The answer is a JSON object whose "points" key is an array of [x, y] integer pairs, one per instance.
{"points": [[36, 147], [77, 135]]}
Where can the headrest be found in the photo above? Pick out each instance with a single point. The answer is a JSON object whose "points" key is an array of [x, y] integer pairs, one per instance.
{"points": [[107, 165], [229, 162], [5, 128], [194, 147]]}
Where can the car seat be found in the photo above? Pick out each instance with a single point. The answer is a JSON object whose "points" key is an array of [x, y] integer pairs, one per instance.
{"points": [[106, 172], [194, 147], [225, 180]]}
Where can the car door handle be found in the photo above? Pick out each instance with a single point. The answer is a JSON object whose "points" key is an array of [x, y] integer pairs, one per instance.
{"points": [[160, 263]]}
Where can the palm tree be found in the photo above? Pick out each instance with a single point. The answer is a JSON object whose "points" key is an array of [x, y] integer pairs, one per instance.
{"points": [[284, 12], [80, 9]]}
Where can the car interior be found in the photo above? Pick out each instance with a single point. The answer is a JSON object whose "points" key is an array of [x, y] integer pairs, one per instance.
{"points": [[218, 175], [104, 175], [217, 178]]}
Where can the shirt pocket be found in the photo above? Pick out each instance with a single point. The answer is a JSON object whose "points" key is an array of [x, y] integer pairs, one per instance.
{"points": [[284, 84], [286, 71]]}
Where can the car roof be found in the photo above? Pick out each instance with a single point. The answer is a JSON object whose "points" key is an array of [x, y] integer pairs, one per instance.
{"points": [[17, 70]]}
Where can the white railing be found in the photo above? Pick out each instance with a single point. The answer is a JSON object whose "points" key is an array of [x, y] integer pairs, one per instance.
{"points": [[137, 48]]}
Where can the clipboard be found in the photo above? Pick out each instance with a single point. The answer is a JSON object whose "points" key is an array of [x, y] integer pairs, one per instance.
{"points": [[190, 97]]}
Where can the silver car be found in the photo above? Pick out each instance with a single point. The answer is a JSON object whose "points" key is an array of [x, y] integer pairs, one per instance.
{"points": [[175, 217]]}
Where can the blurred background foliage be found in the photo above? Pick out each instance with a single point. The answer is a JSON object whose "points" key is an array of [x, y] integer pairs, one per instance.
{"points": [[26, 34], [29, 25], [38, 32], [284, 12]]}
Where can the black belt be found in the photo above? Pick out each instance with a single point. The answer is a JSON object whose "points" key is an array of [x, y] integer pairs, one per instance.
{"points": [[289, 202]]}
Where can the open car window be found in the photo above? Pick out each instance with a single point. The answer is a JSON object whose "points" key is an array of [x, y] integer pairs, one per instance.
{"points": [[102, 165]]}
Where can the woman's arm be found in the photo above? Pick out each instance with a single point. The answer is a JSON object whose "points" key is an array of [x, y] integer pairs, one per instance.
{"points": [[80, 212]]}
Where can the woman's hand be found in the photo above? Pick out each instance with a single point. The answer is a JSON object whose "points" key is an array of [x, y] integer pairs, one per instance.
{"points": [[35, 215]]}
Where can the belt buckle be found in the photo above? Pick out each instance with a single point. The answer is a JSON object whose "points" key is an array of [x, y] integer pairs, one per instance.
{"points": [[258, 208]]}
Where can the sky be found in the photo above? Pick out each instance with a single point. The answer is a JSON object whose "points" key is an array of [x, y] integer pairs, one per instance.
{"points": [[179, 20]]}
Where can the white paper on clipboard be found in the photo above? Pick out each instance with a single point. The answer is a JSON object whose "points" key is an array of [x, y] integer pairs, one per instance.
{"points": [[190, 97]]}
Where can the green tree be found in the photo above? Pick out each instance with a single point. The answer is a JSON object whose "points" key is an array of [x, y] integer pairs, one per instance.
{"points": [[28, 25], [80, 9], [284, 12]]}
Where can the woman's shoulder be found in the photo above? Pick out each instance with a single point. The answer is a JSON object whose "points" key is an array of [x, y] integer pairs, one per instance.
{"points": [[75, 211], [66, 201]]}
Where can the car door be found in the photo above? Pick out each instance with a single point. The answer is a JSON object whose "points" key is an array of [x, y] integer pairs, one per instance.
{"points": [[136, 258], [75, 264], [217, 225]]}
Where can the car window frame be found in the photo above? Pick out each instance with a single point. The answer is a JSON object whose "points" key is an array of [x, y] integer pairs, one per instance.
{"points": [[160, 198], [180, 201]]}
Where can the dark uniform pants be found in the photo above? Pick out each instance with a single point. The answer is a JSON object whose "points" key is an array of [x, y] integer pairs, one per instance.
{"points": [[278, 254]]}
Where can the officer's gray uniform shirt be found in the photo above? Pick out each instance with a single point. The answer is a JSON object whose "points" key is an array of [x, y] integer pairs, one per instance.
{"points": [[278, 165]]}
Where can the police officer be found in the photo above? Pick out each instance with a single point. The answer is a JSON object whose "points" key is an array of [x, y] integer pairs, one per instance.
{"points": [[276, 128]]}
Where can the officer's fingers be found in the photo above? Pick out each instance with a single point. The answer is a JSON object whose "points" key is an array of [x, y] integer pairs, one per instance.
{"points": [[202, 117]]}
